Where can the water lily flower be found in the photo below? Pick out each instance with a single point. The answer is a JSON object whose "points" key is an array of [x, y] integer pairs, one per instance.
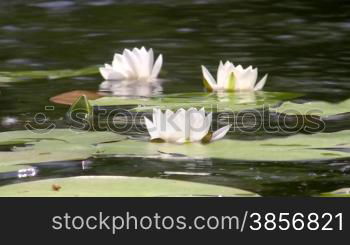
{"points": [[183, 126], [136, 64], [233, 78]]}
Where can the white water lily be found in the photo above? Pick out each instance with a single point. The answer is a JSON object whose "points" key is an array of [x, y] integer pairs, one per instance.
{"points": [[183, 126], [233, 78], [136, 64]]}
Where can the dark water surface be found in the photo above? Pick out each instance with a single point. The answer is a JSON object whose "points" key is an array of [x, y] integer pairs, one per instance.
{"points": [[303, 45]]}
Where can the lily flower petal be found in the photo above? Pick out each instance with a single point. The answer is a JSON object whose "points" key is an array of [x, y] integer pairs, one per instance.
{"points": [[220, 133], [232, 78], [154, 133], [110, 74], [199, 125], [150, 58], [209, 81], [157, 66], [135, 64], [261, 83], [182, 126]]}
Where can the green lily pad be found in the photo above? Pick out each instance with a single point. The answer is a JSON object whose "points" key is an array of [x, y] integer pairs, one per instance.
{"points": [[51, 146], [17, 76], [65, 144], [320, 146], [117, 186], [318, 108], [210, 101], [61, 135], [4, 168], [343, 192]]}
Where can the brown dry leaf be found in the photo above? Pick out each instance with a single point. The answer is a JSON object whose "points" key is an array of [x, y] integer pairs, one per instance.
{"points": [[69, 98], [56, 187]]}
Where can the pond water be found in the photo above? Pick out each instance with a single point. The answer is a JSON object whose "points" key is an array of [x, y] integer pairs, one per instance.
{"points": [[303, 45]]}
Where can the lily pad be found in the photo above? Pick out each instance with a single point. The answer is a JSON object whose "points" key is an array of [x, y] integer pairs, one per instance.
{"points": [[318, 108], [210, 101], [320, 146], [69, 98], [117, 186], [343, 192], [17, 76], [4, 168], [65, 144], [51, 146]]}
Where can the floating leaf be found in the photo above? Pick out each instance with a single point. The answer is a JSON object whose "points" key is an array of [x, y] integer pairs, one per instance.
{"points": [[210, 101], [319, 108], [64, 144], [117, 186], [69, 98], [320, 146], [343, 192], [54, 145], [17, 76], [4, 168]]}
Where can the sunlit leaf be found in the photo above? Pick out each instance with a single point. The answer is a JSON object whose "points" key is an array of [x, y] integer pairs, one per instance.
{"points": [[118, 186], [320, 146], [343, 192], [54, 145]]}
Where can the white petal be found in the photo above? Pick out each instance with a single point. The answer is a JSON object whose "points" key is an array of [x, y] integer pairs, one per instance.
{"points": [[228, 63], [108, 66], [246, 81], [174, 130], [152, 130], [104, 72], [120, 64], [132, 61], [202, 112], [110, 74], [140, 63], [220, 133], [261, 83], [150, 57], [181, 123], [221, 75], [209, 117], [181, 141], [209, 78], [239, 68], [157, 66], [199, 125]]}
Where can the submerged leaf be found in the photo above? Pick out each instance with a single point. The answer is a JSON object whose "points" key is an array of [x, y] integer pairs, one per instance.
{"points": [[318, 108], [17, 76]]}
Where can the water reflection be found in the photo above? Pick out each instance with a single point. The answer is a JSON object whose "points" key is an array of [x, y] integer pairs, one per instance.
{"points": [[27, 172], [133, 88], [236, 97]]}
